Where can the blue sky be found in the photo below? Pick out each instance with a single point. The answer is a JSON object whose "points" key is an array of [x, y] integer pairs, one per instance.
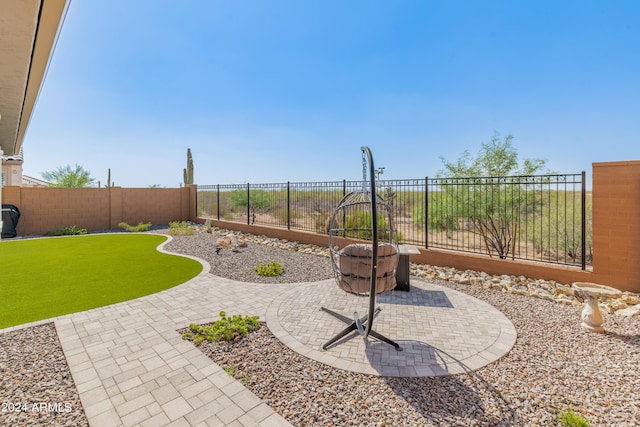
{"points": [[276, 91]]}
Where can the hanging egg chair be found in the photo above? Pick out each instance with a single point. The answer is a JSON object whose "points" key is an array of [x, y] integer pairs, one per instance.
{"points": [[352, 219], [364, 250]]}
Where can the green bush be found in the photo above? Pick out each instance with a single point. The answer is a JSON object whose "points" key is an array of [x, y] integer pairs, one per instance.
{"points": [[570, 418], [259, 199], [135, 228], [66, 231], [180, 228], [440, 214], [225, 329], [272, 270], [358, 225]]}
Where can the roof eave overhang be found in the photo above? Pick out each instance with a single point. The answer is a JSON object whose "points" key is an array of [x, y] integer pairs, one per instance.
{"points": [[44, 19]]}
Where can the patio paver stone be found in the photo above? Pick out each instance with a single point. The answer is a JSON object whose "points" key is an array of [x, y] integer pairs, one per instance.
{"points": [[131, 366]]}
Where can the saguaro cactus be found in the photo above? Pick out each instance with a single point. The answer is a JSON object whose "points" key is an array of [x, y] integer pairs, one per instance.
{"points": [[188, 171]]}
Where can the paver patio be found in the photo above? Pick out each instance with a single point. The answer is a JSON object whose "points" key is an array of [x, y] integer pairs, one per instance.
{"points": [[131, 367]]}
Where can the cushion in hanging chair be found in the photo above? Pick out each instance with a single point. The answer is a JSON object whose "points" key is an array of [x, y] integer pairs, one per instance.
{"points": [[355, 268]]}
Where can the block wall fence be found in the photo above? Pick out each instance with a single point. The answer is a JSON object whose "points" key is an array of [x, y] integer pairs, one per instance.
{"points": [[615, 216], [44, 209]]}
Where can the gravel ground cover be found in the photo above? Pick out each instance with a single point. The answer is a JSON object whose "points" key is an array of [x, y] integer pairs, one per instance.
{"points": [[239, 265], [36, 387], [554, 365]]}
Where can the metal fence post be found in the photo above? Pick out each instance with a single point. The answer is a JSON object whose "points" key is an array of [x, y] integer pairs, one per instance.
{"points": [[197, 213], [584, 221], [248, 203], [426, 212], [218, 200], [288, 205]]}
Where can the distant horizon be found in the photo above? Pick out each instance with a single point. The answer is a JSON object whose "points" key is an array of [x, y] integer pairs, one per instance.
{"points": [[379, 179]]}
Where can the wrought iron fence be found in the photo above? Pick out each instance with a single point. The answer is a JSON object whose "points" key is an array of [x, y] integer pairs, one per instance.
{"points": [[543, 218]]}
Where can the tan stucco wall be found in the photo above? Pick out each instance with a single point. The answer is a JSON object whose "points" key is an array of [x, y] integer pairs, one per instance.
{"points": [[616, 224], [44, 209], [12, 173]]}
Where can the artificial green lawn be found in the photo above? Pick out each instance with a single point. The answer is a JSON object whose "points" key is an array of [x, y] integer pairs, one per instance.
{"points": [[43, 278]]}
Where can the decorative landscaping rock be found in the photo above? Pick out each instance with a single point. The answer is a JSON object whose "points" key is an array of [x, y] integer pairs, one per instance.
{"points": [[629, 311], [225, 242], [518, 285], [630, 299], [618, 304]]}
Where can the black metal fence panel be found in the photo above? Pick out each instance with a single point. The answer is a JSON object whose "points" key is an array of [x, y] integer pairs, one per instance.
{"points": [[544, 218]]}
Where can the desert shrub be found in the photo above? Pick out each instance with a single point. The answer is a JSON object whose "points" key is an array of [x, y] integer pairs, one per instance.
{"points": [[135, 228], [279, 212], [66, 231], [207, 203], [271, 270], [358, 225], [321, 222], [556, 227], [440, 216], [570, 418], [224, 208], [225, 329], [180, 228], [259, 199]]}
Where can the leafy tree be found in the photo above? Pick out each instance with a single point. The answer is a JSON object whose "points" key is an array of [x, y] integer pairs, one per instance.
{"points": [[479, 192], [66, 176], [495, 158]]}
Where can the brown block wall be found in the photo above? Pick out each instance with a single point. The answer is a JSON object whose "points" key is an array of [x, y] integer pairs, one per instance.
{"points": [[616, 224], [157, 205], [44, 209]]}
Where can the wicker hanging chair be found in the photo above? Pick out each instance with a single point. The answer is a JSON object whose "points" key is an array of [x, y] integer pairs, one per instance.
{"points": [[352, 263], [368, 267]]}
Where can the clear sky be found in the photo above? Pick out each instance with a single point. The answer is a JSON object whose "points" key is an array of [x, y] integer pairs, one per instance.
{"points": [[275, 91]]}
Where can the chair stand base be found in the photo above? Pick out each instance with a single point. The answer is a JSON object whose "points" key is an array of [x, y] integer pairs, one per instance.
{"points": [[356, 325]]}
